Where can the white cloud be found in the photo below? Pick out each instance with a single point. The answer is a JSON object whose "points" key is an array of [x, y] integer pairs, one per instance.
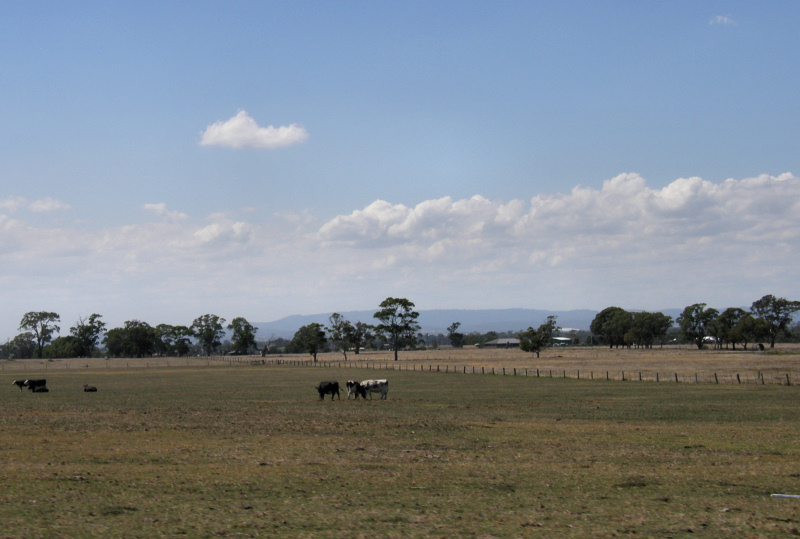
{"points": [[47, 205], [623, 243], [11, 204], [161, 210], [242, 131], [724, 20]]}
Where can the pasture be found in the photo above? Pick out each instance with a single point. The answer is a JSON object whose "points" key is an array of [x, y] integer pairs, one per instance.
{"points": [[248, 450]]}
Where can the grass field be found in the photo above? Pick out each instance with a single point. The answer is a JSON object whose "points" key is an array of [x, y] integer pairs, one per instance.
{"points": [[242, 450]]}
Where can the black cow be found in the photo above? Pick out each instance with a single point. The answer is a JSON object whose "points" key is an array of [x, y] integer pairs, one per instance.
{"points": [[89, 389], [325, 388], [35, 385]]}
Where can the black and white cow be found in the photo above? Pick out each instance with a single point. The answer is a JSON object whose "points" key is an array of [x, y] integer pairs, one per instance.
{"points": [[328, 388], [32, 385], [376, 386], [89, 389], [354, 389]]}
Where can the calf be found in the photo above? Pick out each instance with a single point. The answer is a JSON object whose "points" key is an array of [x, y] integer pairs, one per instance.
{"points": [[20, 384], [354, 388], [89, 389], [375, 386], [325, 388]]}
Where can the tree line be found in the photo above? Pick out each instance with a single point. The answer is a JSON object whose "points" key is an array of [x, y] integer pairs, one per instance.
{"points": [[769, 318]]}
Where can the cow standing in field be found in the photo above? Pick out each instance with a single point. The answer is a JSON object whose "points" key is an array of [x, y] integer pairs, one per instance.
{"points": [[19, 383], [375, 386], [325, 388], [354, 388]]}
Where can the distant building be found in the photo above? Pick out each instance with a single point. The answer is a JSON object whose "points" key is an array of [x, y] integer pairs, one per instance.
{"points": [[562, 341], [502, 343]]}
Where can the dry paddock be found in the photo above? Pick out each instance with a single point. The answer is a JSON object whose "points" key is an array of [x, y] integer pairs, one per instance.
{"points": [[683, 364]]}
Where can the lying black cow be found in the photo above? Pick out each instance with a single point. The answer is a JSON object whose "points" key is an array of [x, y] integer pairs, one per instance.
{"points": [[37, 386], [89, 389], [325, 388]]}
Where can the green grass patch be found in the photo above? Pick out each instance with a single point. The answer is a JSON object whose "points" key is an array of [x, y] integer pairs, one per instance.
{"points": [[251, 451]]}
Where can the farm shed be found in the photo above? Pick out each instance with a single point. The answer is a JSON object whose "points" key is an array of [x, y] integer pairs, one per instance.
{"points": [[502, 343]]}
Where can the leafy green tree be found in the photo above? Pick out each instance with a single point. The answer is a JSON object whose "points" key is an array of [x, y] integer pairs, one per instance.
{"points": [[726, 323], [536, 340], [361, 336], [398, 322], [341, 333], [750, 329], [456, 338], [174, 340], [134, 339], [310, 338], [647, 327], [208, 331], [42, 325], [696, 322], [244, 335], [65, 347], [611, 325], [88, 331], [23, 346], [777, 312], [140, 338]]}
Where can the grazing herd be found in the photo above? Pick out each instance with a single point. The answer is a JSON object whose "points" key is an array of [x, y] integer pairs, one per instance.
{"points": [[354, 389], [40, 386]]}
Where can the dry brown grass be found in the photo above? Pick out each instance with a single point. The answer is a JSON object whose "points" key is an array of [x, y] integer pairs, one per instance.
{"points": [[578, 361]]}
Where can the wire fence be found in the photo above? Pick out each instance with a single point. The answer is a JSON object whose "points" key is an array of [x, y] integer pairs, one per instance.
{"points": [[786, 378]]}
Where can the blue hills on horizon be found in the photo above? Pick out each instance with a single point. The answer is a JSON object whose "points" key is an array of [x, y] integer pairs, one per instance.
{"points": [[436, 321]]}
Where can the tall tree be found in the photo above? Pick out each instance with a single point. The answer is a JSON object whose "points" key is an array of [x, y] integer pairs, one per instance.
{"points": [[727, 322], [696, 322], [611, 324], [398, 322], [310, 338], [341, 332], [750, 329], [536, 340], [88, 332], [244, 335], [208, 331], [647, 327], [42, 325], [777, 312], [456, 338], [361, 336], [174, 340]]}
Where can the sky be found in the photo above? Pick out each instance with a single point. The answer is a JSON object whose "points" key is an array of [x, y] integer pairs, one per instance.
{"points": [[164, 160]]}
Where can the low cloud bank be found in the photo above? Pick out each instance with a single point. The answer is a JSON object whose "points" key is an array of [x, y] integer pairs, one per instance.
{"points": [[623, 244]]}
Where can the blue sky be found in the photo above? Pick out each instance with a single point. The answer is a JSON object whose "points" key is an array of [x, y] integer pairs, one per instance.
{"points": [[162, 160]]}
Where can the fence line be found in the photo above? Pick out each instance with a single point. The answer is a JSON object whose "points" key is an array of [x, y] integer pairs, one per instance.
{"points": [[625, 376], [772, 378]]}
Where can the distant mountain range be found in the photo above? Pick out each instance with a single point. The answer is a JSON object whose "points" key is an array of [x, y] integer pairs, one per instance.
{"points": [[438, 320]]}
